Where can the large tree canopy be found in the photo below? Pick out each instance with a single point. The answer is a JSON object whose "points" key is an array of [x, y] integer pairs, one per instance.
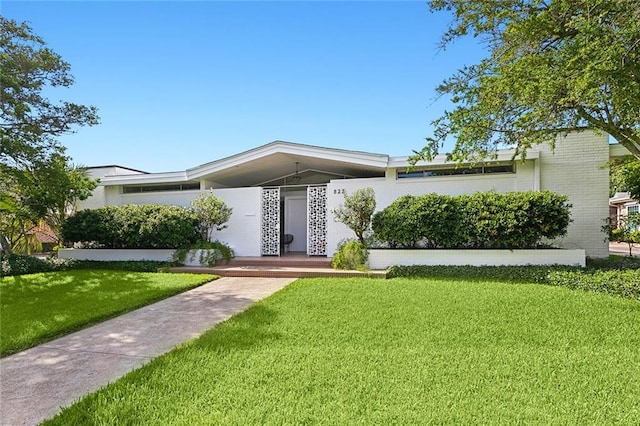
{"points": [[553, 66], [29, 122], [36, 181]]}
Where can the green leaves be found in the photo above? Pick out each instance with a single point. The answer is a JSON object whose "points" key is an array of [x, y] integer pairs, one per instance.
{"points": [[29, 122], [481, 220], [553, 66], [133, 226], [356, 211], [212, 212]]}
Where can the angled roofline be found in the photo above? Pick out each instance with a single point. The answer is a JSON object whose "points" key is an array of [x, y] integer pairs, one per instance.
{"points": [[115, 165], [283, 147]]}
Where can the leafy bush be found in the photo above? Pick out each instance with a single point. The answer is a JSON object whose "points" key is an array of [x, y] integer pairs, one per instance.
{"points": [[351, 254], [133, 226], [521, 274], [212, 212], [624, 283], [16, 264], [122, 265], [602, 275], [19, 264], [356, 211], [212, 253], [614, 262], [481, 220], [430, 220]]}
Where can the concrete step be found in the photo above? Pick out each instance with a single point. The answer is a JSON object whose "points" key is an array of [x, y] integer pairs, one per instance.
{"points": [[281, 262], [276, 272]]}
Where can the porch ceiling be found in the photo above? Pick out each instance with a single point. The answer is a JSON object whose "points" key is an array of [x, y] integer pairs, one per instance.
{"points": [[273, 169]]}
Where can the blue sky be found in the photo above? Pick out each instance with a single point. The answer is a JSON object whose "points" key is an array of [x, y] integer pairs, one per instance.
{"points": [[178, 84]]}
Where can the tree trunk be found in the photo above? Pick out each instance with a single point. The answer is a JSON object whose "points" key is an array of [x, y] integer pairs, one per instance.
{"points": [[5, 246]]}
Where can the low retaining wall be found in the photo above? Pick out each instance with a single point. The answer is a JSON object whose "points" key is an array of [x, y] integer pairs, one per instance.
{"points": [[104, 255], [161, 255], [383, 258]]}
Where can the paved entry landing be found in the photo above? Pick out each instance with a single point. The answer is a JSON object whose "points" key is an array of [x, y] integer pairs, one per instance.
{"points": [[35, 383]]}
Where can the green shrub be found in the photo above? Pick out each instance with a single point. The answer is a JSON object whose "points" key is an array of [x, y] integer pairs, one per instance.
{"points": [[481, 220], [19, 264], [514, 219], [521, 274], [86, 226], [624, 283], [133, 227], [212, 212], [602, 276], [396, 224], [212, 253], [613, 262], [16, 264], [351, 254], [122, 265], [356, 211]]}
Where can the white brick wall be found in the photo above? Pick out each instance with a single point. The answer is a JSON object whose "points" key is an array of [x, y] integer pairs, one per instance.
{"points": [[577, 168]]}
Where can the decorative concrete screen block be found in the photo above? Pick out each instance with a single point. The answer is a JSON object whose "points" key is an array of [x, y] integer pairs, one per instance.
{"points": [[270, 222], [317, 221], [382, 259]]}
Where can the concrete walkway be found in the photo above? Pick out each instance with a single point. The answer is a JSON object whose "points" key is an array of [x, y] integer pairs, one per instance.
{"points": [[34, 384]]}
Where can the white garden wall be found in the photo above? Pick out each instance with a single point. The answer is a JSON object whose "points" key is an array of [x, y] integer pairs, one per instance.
{"points": [[159, 255], [382, 259], [243, 230]]}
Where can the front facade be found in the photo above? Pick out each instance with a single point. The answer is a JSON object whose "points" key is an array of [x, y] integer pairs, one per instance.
{"points": [[287, 189]]}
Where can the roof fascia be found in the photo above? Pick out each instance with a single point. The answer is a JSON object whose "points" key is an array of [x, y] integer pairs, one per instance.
{"points": [[143, 179], [355, 157], [441, 160], [618, 150]]}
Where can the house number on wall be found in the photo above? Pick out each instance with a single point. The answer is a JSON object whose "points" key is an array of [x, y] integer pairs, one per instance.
{"points": [[339, 191]]}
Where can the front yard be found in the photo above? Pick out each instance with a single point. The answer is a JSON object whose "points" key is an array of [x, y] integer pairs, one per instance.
{"points": [[401, 351], [38, 307]]}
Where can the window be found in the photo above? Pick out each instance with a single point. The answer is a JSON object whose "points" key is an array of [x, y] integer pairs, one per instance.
{"points": [[158, 188], [633, 209], [452, 171]]}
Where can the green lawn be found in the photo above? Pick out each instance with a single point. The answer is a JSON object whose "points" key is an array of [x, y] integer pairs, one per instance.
{"points": [[402, 351], [35, 308]]}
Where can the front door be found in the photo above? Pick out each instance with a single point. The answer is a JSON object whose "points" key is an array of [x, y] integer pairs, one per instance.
{"points": [[295, 222]]}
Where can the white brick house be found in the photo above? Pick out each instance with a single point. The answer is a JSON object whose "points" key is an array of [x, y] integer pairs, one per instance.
{"points": [[288, 188]]}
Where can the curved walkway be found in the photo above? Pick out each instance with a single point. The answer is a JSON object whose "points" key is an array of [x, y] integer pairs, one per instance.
{"points": [[35, 383]]}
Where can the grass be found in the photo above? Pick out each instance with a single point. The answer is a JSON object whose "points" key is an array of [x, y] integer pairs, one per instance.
{"points": [[401, 351], [38, 307]]}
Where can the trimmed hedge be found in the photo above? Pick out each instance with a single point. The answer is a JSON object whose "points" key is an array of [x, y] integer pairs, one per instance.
{"points": [[133, 226], [602, 276], [18, 264], [489, 220]]}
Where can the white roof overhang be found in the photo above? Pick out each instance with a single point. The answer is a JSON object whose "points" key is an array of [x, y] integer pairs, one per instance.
{"points": [[269, 163], [441, 160]]}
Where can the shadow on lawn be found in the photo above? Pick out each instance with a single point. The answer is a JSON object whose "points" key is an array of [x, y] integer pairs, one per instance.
{"points": [[101, 284], [45, 306], [251, 328]]}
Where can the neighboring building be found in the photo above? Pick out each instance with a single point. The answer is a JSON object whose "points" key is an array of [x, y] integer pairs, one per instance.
{"points": [[289, 188], [622, 205]]}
